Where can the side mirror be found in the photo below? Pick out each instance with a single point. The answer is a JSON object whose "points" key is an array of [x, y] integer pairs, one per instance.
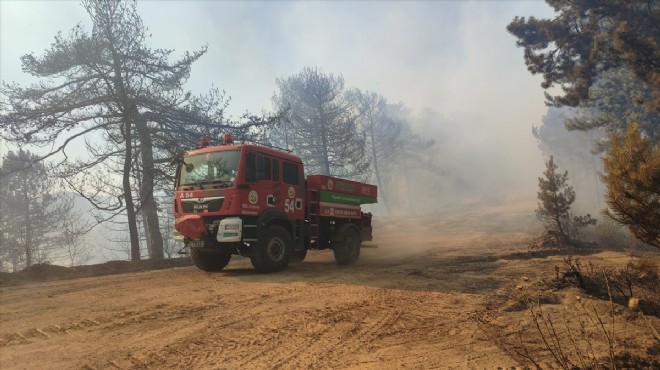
{"points": [[177, 159]]}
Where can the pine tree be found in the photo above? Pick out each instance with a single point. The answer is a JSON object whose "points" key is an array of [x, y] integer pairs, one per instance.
{"points": [[31, 212], [107, 92], [614, 100], [322, 126], [383, 134], [632, 176], [555, 197], [587, 38]]}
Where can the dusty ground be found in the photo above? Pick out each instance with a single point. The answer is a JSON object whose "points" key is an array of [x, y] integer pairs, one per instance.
{"points": [[430, 301]]}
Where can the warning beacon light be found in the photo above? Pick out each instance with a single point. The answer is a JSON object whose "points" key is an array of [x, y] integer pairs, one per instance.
{"points": [[227, 139]]}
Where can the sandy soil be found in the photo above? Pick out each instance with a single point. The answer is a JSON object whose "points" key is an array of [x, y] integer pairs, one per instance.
{"points": [[420, 300]]}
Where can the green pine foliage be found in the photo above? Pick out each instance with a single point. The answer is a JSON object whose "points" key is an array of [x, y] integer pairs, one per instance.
{"points": [[555, 199], [589, 37], [614, 100], [632, 176]]}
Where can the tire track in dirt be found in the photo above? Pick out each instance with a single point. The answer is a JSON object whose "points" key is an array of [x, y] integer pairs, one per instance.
{"points": [[367, 336], [277, 339], [438, 318], [120, 319], [337, 332], [208, 345], [102, 322], [366, 315]]}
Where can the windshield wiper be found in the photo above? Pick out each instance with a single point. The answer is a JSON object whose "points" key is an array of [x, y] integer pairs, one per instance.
{"points": [[225, 183]]}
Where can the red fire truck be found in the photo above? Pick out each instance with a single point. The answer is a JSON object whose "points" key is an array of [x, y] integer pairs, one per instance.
{"points": [[254, 201]]}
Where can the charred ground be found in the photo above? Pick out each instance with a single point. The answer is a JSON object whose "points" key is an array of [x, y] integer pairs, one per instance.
{"points": [[452, 291]]}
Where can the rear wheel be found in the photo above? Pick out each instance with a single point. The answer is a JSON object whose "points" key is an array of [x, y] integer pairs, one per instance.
{"points": [[209, 261], [273, 250], [347, 250]]}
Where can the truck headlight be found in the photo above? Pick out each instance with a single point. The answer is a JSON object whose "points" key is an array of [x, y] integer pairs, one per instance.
{"points": [[230, 230]]}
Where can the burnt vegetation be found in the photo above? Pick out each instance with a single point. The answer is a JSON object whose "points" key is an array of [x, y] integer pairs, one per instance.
{"points": [[604, 56]]}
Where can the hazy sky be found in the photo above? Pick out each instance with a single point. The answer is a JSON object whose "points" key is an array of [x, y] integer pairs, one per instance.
{"points": [[453, 57]]}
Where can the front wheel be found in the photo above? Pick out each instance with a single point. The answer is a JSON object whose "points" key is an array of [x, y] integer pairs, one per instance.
{"points": [[209, 261], [273, 250], [347, 250]]}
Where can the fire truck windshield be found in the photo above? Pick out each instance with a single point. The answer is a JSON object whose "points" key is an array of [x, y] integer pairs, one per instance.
{"points": [[210, 168]]}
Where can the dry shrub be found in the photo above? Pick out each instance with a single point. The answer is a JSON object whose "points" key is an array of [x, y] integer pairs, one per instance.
{"points": [[585, 336], [518, 297], [562, 329], [611, 235], [637, 279], [639, 275], [587, 317], [549, 239]]}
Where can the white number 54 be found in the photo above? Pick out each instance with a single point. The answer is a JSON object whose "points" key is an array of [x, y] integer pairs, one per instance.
{"points": [[289, 205]]}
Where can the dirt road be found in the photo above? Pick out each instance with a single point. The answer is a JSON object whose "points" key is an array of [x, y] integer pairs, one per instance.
{"points": [[410, 303]]}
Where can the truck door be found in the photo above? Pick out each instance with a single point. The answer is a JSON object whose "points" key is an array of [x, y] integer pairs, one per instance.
{"points": [[293, 189], [264, 174], [277, 184]]}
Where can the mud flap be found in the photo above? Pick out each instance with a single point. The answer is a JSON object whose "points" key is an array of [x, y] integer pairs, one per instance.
{"points": [[365, 227]]}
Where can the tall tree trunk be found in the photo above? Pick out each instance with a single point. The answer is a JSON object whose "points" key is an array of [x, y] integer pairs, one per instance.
{"points": [[28, 229], [145, 229], [129, 110], [325, 163], [286, 134], [149, 207], [561, 229], [141, 220], [128, 193], [406, 176], [381, 189]]}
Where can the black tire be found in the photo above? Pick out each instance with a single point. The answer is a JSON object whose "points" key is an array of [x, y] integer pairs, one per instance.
{"points": [[273, 250], [209, 261], [347, 250], [298, 256]]}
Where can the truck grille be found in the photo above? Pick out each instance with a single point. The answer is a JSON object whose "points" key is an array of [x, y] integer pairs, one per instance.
{"points": [[202, 205]]}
